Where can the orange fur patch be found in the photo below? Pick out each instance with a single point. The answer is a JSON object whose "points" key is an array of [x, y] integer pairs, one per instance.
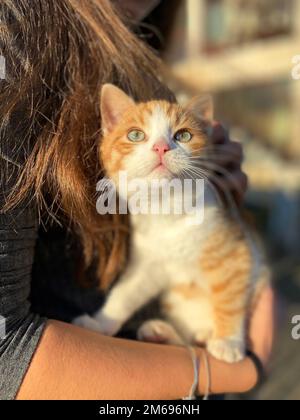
{"points": [[188, 291], [227, 263]]}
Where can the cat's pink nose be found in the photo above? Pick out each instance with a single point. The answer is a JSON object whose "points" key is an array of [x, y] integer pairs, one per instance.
{"points": [[161, 148]]}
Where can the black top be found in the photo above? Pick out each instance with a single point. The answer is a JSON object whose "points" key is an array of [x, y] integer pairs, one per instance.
{"points": [[38, 280]]}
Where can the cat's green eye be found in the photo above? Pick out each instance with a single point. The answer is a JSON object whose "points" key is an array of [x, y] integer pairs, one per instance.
{"points": [[183, 136], [136, 135]]}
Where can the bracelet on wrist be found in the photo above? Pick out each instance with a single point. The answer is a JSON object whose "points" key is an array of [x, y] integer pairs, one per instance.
{"points": [[261, 374]]}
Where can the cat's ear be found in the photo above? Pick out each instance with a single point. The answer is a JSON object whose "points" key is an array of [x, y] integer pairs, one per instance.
{"points": [[203, 106], [113, 104]]}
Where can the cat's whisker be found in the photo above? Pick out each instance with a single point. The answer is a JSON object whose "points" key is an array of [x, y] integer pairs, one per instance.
{"points": [[203, 175], [223, 171], [213, 146], [226, 191], [215, 151], [220, 156], [208, 164], [210, 177]]}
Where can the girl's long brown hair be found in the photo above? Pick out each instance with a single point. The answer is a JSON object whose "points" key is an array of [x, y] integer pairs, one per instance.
{"points": [[58, 54]]}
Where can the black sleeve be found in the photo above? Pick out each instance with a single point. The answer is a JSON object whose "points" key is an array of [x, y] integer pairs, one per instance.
{"points": [[20, 330]]}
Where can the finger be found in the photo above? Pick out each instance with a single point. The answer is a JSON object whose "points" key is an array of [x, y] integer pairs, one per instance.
{"points": [[236, 185], [239, 182], [229, 154], [220, 135], [240, 192]]}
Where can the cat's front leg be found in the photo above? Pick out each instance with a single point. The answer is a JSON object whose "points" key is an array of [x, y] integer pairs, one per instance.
{"points": [[227, 265], [135, 289], [228, 342]]}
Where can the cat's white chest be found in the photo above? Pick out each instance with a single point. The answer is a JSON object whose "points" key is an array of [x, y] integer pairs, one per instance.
{"points": [[170, 245]]}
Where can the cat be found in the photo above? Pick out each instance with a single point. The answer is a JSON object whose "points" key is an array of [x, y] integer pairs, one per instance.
{"points": [[207, 276]]}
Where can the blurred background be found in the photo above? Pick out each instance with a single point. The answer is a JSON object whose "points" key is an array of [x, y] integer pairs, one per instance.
{"points": [[242, 51]]}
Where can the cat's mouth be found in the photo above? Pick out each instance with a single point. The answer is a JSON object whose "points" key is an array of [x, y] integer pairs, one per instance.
{"points": [[161, 167]]}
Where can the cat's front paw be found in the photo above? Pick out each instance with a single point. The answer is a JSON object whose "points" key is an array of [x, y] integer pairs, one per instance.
{"points": [[160, 332], [101, 324], [107, 325], [87, 322], [227, 350]]}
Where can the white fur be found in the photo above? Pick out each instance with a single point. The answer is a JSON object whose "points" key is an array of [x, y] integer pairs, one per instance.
{"points": [[159, 126], [165, 253]]}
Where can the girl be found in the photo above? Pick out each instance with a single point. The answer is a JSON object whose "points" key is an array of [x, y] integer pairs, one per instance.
{"points": [[58, 55]]}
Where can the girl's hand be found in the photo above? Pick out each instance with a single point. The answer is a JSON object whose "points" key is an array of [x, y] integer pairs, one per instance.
{"points": [[137, 9], [231, 159], [262, 326], [243, 376]]}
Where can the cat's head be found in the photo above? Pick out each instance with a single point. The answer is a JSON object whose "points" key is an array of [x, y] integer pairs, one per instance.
{"points": [[153, 140]]}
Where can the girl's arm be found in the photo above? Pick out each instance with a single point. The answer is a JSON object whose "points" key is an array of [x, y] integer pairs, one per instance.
{"points": [[72, 363]]}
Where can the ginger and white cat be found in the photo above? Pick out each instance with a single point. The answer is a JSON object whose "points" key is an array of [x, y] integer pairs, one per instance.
{"points": [[206, 276]]}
